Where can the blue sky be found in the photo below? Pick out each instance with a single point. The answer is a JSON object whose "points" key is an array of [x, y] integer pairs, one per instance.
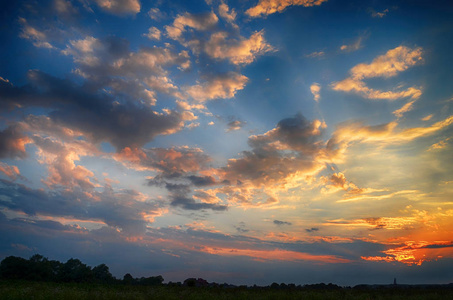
{"points": [[249, 142]]}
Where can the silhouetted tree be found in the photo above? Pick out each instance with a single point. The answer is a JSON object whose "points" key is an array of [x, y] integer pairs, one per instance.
{"points": [[102, 274], [153, 280], [14, 267], [75, 271], [191, 282], [128, 279], [275, 285]]}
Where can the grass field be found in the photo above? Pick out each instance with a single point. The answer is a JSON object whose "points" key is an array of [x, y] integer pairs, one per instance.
{"points": [[68, 291]]}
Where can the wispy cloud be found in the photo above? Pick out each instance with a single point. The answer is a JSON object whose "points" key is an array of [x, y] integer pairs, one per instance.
{"points": [[267, 7], [379, 14], [356, 45], [404, 109], [120, 7], [388, 65]]}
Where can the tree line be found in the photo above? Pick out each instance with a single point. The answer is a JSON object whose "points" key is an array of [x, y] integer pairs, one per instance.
{"points": [[40, 268]]}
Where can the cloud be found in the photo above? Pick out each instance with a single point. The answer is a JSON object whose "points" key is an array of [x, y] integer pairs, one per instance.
{"points": [[179, 170], [222, 44], [439, 145], [337, 182], [220, 86], [11, 171], [237, 51], [176, 160], [427, 118], [277, 222], [276, 254], [404, 109], [104, 118], [388, 65], [65, 8], [202, 21], [377, 14], [385, 134], [156, 14], [153, 33], [109, 65], [316, 54], [415, 253], [120, 7], [278, 159], [60, 159], [313, 229], [267, 163], [235, 125], [12, 142], [39, 38], [227, 14], [315, 88], [125, 209], [190, 204], [267, 7], [354, 46]]}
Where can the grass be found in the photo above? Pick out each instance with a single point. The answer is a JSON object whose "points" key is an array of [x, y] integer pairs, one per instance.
{"points": [[12, 290]]}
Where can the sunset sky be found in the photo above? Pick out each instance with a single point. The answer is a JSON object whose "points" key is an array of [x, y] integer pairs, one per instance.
{"points": [[248, 142]]}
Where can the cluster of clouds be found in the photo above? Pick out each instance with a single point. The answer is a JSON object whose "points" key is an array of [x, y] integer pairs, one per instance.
{"points": [[128, 97]]}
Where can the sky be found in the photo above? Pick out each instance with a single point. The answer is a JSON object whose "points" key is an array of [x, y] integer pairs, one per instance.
{"points": [[247, 142]]}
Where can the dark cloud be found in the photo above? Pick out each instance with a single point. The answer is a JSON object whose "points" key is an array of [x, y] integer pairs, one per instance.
{"points": [[190, 204], [293, 146], [172, 163], [241, 228], [438, 246], [235, 125], [179, 169], [99, 116], [313, 229], [12, 143], [200, 181], [123, 209], [277, 222]]}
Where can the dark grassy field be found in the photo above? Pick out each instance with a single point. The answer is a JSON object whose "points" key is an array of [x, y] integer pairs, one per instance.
{"points": [[47, 290]]}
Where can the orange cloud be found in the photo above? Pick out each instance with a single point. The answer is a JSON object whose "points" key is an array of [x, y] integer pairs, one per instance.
{"points": [[388, 65], [384, 134], [11, 171], [315, 88], [267, 7], [196, 21], [60, 159], [405, 108], [439, 145], [222, 86], [243, 51], [276, 254], [120, 7], [416, 253]]}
